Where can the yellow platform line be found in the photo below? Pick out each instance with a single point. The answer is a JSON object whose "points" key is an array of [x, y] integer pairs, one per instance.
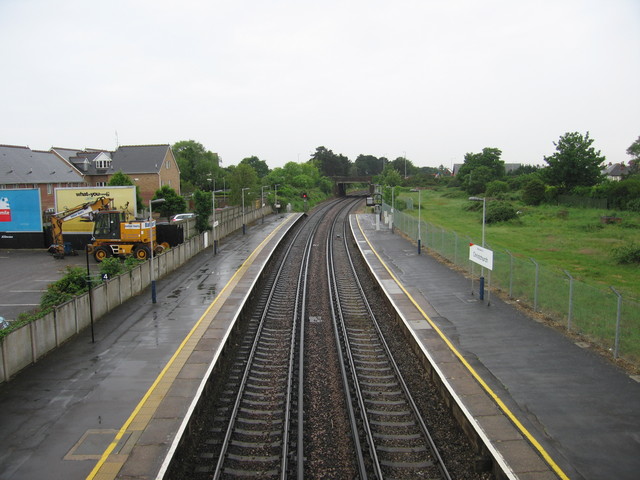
{"points": [[110, 463], [471, 370]]}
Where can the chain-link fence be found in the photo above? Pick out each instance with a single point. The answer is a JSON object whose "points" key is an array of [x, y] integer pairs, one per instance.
{"points": [[604, 317]]}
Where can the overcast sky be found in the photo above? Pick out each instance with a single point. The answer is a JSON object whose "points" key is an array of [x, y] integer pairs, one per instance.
{"points": [[428, 79]]}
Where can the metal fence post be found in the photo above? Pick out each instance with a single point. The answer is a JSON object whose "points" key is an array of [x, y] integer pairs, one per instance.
{"points": [[455, 248], [570, 299], [535, 290], [617, 340], [510, 273]]}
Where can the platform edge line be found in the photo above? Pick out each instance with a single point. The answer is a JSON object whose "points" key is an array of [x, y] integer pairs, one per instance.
{"points": [[555, 467], [103, 459]]}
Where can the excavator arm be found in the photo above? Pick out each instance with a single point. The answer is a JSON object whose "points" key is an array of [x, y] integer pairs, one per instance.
{"points": [[57, 219]]}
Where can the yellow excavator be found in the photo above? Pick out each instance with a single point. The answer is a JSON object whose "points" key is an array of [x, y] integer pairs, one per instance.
{"points": [[58, 248], [113, 235]]}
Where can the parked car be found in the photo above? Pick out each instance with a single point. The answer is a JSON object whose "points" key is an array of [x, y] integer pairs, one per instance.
{"points": [[182, 216], [4, 323]]}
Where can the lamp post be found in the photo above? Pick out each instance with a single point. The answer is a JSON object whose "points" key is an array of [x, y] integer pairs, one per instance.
{"points": [[419, 225], [243, 223], [262, 200], [213, 218], [275, 203], [393, 206], [484, 215], [153, 281]]}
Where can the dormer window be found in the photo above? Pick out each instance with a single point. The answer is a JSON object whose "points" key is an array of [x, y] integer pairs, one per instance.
{"points": [[103, 164]]}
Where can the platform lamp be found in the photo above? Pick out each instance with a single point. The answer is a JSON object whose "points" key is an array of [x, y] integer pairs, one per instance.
{"points": [[419, 224], [262, 200], [153, 281], [484, 216], [275, 203], [213, 213], [244, 226]]}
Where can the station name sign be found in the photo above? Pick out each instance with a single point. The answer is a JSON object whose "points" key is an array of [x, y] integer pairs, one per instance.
{"points": [[481, 256]]}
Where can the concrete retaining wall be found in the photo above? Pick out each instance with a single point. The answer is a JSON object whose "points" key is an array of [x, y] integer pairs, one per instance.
{"points": [[31, 342]]}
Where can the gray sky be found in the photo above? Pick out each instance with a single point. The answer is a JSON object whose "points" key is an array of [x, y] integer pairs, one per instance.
{"points": [[276, 79]]}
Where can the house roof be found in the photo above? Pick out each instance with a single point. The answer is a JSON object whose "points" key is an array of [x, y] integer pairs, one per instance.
{"points": [[139, 158], [134, 159], [615, 170], [21, 165]]}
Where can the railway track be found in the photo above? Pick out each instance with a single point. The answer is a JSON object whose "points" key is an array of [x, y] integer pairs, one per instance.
{"points": [[388, 422], [310, 389], [254, 428]]}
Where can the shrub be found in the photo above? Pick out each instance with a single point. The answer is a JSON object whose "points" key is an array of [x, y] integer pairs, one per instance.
{"points": [[634, 205], [533, 192], [111, 266], [500, 212], [73, 283], [627, 254], [496, 188]]}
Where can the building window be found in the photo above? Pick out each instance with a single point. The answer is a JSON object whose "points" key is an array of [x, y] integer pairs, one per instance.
{"points": [[49, 188], [103, 164], [168, 164], [101, 184]]}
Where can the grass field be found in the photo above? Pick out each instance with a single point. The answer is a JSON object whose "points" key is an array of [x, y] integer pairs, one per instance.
{"points": [[558, 237]]}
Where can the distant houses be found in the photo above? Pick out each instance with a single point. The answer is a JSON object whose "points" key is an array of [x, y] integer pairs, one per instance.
{"points": [[149, 166]]}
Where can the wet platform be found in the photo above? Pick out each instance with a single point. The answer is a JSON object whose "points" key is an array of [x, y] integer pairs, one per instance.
{"points": [[549, 408], [544, 406], [111, 408]]}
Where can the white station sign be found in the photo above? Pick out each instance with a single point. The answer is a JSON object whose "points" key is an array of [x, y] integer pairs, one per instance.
{"points": [[481, 256]]}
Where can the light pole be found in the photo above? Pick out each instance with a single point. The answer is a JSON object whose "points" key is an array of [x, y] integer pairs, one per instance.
{"points": [[275, 203], [419, 224], [262, 200], [393, 206], [153, 281], [243, 224], [213, 219], [405, 164], [484, 213]]}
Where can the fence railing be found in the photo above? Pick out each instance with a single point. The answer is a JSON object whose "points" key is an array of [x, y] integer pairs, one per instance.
{"points": [[603, 317], [32, 341]]}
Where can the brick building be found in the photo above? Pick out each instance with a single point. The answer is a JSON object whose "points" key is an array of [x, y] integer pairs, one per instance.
{"points": [[149, 166], [21, 167]]}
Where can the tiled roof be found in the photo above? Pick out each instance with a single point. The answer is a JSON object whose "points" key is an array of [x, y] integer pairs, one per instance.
{"points": [[21, 165], [139, 158]]}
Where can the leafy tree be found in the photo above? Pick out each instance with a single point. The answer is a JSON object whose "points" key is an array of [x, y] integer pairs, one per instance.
{"points": [[260, 166], [476, 182], [634, 151], [368, 165], [203, 207], [121, 179], [197, 165], [402, 165], [243, 176], [329, 163], [480, 168], [574, 163], [173, 203]]}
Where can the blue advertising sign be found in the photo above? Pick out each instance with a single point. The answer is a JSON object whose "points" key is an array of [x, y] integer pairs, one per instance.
{"points": [[20, 210]]}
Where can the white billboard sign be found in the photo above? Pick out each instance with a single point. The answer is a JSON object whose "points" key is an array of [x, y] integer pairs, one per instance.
{"points": [[481, 256]]}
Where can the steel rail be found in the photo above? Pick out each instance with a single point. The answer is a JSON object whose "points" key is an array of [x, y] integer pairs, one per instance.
{"points": [[243, 383], [359, 306], [336, 314], [399, 377]]}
